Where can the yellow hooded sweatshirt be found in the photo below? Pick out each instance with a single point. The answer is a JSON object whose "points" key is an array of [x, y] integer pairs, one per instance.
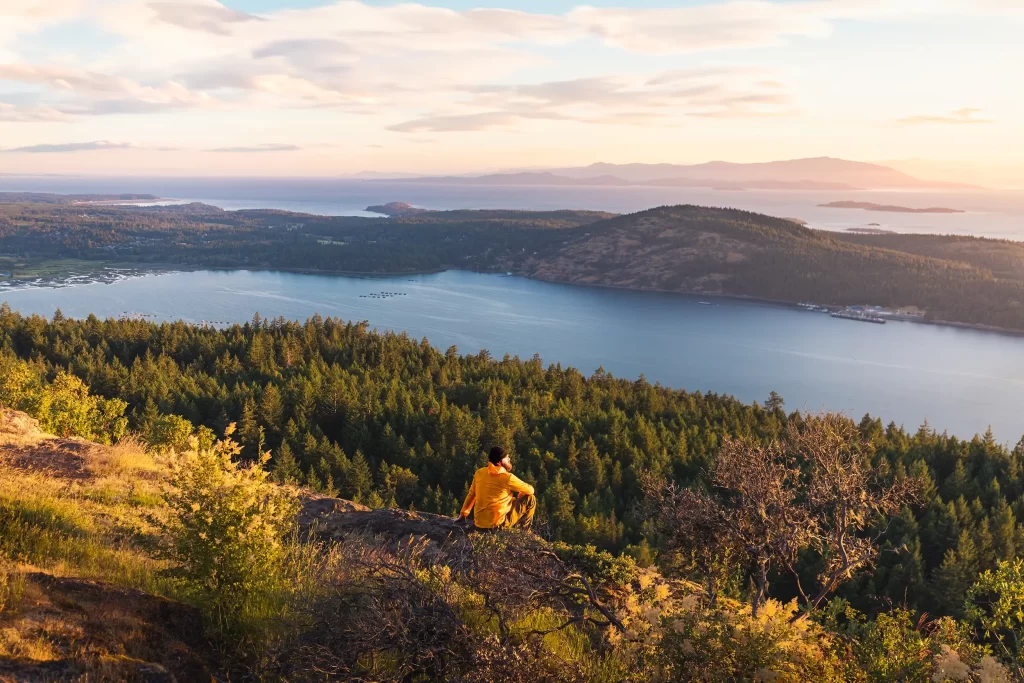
{"points": [[493, 491]]}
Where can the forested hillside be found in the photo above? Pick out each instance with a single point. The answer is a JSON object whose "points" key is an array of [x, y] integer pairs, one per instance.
{"points": [[1004, 258], [726, 251], [201, 235], [384, 419]]}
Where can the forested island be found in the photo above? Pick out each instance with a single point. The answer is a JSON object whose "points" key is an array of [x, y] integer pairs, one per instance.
{"points": [[396, 209], [887, 208], [682, 536], [708, 251]]}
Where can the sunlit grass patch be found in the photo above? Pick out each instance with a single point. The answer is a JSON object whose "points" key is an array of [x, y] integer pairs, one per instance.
{"points": [[73, 529], [18, 644], [129, 456], [12, 587]]}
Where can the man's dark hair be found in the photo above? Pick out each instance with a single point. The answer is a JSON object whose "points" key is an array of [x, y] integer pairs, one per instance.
{"points": [[496, 455]]}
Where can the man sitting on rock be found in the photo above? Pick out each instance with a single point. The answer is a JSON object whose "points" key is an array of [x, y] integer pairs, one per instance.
{"points": [[493, 496]]}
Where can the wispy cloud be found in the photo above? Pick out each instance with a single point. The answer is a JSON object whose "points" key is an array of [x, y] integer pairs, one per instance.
{"points": [[615, 100], [92, 146], [95, 146], [965, 116], [253, 149], [78, 92], [456, 123], [16, 113]]}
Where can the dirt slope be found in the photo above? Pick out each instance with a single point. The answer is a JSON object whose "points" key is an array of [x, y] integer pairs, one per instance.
{"points": [[55, 626]]}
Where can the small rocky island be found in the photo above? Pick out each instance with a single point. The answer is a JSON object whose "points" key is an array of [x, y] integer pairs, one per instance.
{"points": [[869, 206], [396, 209], [871, 230]]}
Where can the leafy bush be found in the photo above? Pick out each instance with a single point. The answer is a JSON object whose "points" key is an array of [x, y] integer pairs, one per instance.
{"points": [[64, 406], [695, 641], [228, 528], [67, 409], [996, 605], [170, 431], [19, 385]]}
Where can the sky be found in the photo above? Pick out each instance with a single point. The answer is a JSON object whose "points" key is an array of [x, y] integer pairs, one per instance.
{"points": [[334, 88]]}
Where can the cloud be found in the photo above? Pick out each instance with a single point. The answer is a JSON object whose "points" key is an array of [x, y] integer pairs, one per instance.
{"points": [[616, 100], [965, 116], [209, 17], [703, 27], [95, 146], [255, 149], [18, 17], [412, 58], [456, 123], [301, 49], [75, 92], [416, 68], [30, 114]]}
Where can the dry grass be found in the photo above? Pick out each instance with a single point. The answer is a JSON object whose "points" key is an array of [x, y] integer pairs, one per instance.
{"points": [[71, 629], [130, 456]]}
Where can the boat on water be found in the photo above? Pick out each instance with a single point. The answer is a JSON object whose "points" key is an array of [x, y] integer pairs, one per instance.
{"points": [[859, 316], [705, 303]]}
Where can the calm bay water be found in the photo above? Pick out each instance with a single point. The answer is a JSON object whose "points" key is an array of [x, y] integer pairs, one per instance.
{"points": [[961, 381]]}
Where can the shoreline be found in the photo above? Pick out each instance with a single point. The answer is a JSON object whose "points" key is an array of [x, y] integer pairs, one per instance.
{"points": [[977, 327], [144, 269]]}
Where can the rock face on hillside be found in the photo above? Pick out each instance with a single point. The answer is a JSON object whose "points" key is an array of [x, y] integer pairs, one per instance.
{"points": [[335, 519], [24, 446]]}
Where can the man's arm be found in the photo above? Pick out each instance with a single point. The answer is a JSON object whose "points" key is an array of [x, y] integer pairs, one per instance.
{"points": [[518, 485], [467, 506]]}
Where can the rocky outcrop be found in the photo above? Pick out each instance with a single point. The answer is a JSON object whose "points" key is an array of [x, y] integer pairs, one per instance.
{"points": [[335, 519]]}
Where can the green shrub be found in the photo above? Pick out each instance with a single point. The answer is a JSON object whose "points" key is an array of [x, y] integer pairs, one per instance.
{"points": [[67, 409], [228, 529], [64, 406], [19, 385], [170, 431], [996, 606]]}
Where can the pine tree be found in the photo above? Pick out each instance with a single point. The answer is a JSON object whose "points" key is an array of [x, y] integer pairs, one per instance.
{"points": [[249, 428], [271, 409], [286, 468], [591, 468], [358, 480]]}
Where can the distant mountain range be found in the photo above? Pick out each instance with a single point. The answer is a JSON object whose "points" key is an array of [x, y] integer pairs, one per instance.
{"points": [[824, 173]]}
